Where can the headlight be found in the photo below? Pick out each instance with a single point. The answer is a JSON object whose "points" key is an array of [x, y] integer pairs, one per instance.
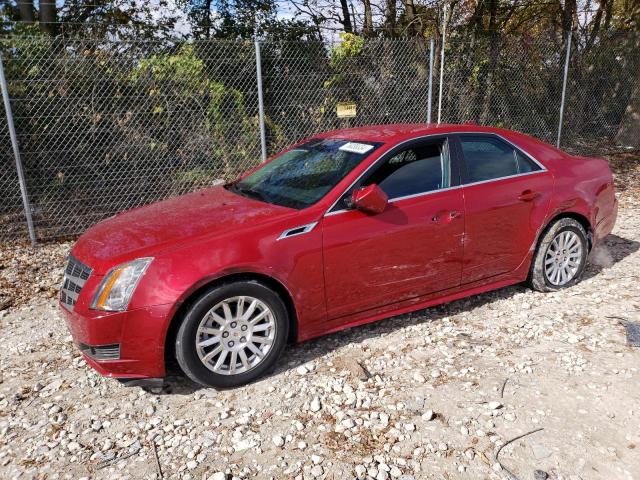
{"points": [[115, 291]]}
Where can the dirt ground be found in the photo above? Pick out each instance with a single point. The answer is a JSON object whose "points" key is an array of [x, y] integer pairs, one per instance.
{"points": [[430, 395]]}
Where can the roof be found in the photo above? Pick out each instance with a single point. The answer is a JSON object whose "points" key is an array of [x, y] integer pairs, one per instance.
{"points": [[401, 131]]}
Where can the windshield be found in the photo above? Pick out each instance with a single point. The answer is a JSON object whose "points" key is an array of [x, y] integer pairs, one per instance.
{"points": [[302, 176]]}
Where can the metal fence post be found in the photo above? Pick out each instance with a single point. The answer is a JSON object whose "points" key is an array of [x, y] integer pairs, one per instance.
{"points": [[564, 88], [16, 153], [430, 95], [263, 137], [444, 31]]}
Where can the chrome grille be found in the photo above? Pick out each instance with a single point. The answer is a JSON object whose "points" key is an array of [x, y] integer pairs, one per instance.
{"points": [[75, 276]]}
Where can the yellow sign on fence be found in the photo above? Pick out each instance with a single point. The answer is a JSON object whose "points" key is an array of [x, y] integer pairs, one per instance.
{"points": [[346, 109]]}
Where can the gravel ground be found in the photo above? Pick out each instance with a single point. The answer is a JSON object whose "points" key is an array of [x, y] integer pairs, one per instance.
{"points": [[430, 395]]}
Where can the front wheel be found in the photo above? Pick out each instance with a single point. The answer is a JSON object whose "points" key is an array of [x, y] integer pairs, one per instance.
{"points": [[232, 334], [561, 256]]}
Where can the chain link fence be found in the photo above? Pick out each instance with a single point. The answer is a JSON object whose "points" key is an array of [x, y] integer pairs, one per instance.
{"points": [[104, 126], [516, 83], [12, 220], [303, 83], [509, 82], [601, 81]]}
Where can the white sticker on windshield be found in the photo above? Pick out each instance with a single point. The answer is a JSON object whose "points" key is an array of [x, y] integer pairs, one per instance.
{"points": [[354, 147]]}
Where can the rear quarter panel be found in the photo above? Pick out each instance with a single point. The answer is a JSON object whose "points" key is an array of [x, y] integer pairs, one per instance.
{"points": [[585, 186], [582, 185]]}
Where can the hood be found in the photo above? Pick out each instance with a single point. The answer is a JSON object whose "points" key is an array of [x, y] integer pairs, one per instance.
{"points": [[148, 230]]}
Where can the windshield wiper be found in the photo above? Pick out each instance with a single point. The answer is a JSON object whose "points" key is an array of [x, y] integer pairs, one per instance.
{"points": [[247, 192]]}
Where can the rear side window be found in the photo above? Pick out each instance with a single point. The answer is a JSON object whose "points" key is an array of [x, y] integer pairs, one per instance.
{"points": [[488, 158], [526, 165], [418, 169]]}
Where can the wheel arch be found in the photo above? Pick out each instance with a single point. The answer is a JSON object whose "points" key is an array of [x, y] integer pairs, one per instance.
{"points": [[274, 284], [578, 217]]}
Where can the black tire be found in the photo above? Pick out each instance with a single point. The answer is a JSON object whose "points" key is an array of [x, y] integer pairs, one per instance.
{"points": [[538, 279], [186, 352]]}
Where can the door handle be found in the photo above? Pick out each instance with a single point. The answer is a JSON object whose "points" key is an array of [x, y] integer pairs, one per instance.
{"points": [[528, 196]]}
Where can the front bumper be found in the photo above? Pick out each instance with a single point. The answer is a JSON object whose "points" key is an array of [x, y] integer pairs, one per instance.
{"points": [[138, 334]]}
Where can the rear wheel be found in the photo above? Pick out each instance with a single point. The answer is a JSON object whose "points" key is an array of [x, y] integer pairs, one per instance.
{"points": [[232, 335], [561, 256]]}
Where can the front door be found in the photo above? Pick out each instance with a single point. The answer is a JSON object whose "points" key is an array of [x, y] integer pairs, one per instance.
{"points": [[412, 248]]}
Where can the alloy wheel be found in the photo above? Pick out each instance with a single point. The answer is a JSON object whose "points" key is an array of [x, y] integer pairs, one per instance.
{"points": [[563, 258], [235, 335]]}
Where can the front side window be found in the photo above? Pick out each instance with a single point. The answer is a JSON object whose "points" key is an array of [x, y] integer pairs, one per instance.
{"points": [[418, 169], [489, 158], [302, 176]]}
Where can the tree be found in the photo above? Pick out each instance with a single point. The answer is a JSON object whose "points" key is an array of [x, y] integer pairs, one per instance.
{"points": [[119, 20], [346, 17], [48, 22], [200, 15], [629, 130], [244, 19], [367, 28], [410, 19], [25, 7], [568, 10], [390, 18]]}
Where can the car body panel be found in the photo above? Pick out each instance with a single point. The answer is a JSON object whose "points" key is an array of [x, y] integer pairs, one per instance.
{"points": [[147, 230], [399, 254], [421, 302], [585, 186], [345, 269], [499, 227], [141, 355]]}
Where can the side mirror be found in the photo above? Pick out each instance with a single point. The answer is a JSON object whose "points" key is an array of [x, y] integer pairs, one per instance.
{"points": [[370, 199]]}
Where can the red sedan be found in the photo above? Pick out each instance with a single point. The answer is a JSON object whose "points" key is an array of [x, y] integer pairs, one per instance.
{"points": [[344, 228]]}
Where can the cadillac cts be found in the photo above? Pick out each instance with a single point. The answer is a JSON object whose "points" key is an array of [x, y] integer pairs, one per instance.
{"points": [[344, 228]]}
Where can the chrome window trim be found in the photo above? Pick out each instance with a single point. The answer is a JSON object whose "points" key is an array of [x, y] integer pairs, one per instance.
{"points": [[422, 194], [305, 229], [415, 195], [479, 182], [543, 169]]}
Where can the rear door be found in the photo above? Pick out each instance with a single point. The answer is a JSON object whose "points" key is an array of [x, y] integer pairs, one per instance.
{"points": [[506, 196], [412, 248]]}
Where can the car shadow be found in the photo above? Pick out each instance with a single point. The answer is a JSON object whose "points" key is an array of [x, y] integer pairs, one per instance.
{"points": [[613, 249], [608, 253]]}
